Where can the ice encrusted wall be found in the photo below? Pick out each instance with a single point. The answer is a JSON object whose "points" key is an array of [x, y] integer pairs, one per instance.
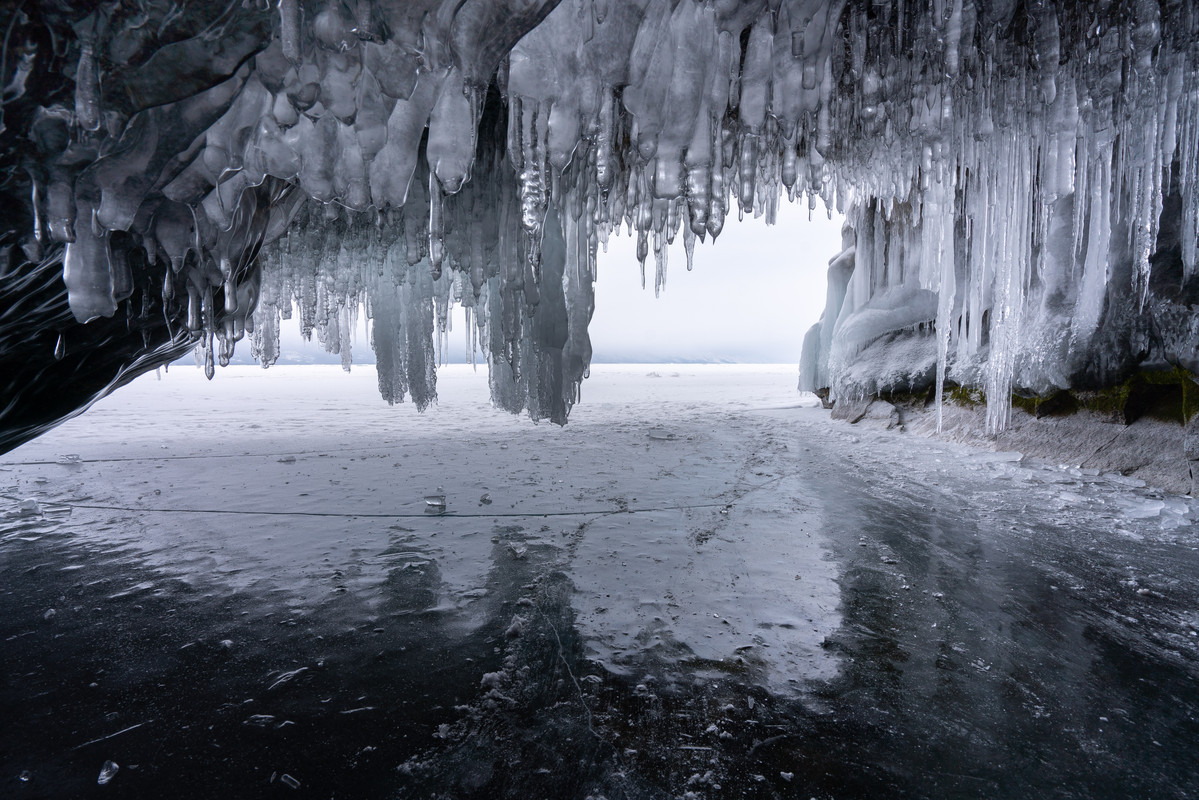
{"points": [[1020, 180], [1039, 230]]}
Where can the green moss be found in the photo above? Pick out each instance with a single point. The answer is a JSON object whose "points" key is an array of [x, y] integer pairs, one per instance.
{"points": [[966, 396], [1190, 399], [1109, 402], [1028, 404], [1169, 395], [1060, 403]]}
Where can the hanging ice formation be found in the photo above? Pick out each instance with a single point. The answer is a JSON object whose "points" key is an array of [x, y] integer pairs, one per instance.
{"points": [[1020, 179]]}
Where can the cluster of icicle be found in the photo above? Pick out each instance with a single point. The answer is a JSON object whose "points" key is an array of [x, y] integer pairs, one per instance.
{"points": [[479, 152], [532, 329], [1011, 196]]}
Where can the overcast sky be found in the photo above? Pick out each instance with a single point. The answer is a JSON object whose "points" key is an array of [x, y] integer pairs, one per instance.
{"points": [[750, 298]]}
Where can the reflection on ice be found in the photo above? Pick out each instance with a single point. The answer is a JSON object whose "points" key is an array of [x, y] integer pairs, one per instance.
{"points": [[750, 590]]}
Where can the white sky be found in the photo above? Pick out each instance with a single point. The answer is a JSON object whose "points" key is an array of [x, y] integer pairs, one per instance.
{"points": [[750, 298]]}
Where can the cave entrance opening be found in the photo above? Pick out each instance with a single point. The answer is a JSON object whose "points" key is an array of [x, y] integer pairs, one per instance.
{"points": [[750, 298]]}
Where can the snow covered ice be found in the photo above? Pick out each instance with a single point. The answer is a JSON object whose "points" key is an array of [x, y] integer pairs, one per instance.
{"points": [[762, 593]]}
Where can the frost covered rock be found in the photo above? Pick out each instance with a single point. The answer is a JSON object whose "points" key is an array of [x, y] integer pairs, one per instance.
{"points": [[1020, 180], [883, 414], [872, 411]]}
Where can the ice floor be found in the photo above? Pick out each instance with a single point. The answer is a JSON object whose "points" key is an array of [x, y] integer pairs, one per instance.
{"points": [[697, 588]]}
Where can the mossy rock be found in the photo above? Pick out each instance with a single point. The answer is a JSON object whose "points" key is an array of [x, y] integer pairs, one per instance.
{"points": [[1110, 402], [1168, 395], [1059, 404], [966, 396]]}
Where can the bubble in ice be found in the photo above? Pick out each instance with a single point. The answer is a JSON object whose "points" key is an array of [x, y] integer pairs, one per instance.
{"points": [[107, 773]]}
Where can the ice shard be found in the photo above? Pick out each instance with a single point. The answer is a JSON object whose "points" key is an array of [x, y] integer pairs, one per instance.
{"points": [[1021, 182]]}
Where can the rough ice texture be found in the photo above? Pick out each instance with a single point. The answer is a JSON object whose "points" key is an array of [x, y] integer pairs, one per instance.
{"points": [[1147, 452], [1020, 180]]}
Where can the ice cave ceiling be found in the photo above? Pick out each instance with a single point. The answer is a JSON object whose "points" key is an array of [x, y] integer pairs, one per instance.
{"points": [[1019, 176]]}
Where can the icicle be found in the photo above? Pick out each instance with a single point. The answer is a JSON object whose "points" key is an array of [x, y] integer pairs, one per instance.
{"points": [[603, 144], [88, 277], [937, 247], [87, 85], [689, 245], [660, 261], [1093, 287], [642, 252], [289, 29], [209, 362], [533, 195], [436, 232]]}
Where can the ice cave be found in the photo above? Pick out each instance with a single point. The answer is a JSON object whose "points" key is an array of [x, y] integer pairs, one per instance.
{"points": [[698, 591]]}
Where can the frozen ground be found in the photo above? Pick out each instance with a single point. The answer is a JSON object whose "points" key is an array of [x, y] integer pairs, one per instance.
{"points": [[696, 588]]}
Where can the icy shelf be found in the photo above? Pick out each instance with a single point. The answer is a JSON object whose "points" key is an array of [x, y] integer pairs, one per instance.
{"points": [[1020, 181]]}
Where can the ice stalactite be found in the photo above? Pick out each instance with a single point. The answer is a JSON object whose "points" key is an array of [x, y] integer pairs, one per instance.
{"points": [[1020, 178]]}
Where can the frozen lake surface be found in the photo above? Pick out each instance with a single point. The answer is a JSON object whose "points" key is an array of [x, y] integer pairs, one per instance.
{"points": [[698, 588]]}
